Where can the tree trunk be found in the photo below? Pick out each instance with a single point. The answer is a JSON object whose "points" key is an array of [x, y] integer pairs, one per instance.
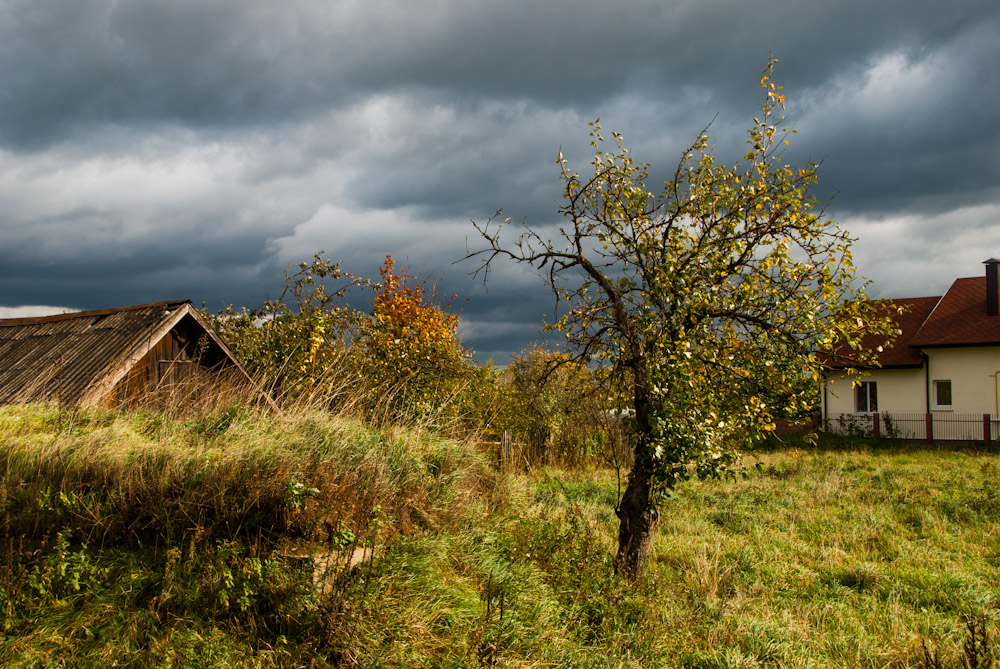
{"points": [[635, 531]]}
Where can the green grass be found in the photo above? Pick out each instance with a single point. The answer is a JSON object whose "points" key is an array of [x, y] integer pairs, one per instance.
{"points": [[151, 540], [847, 558]]}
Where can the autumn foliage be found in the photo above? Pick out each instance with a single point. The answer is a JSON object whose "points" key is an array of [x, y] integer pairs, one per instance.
{"points": [[410, 343], [408, 331], [401, 360]]}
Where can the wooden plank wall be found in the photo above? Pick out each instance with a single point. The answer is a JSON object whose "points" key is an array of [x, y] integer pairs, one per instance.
{"points": [[172, 371]]}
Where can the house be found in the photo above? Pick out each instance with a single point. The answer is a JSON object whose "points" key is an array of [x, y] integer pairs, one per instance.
{"points": [[162, 351], [940, 376]]}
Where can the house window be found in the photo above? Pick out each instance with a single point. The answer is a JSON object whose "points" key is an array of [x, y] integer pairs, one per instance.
{"points": [[866, 397], [942, 395]]}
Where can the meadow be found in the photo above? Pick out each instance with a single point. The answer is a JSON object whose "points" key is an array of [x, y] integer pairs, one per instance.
{"points": [[306, 539]]}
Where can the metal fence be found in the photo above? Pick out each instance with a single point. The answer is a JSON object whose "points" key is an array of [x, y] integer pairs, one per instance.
{"points": [[939, 426]]}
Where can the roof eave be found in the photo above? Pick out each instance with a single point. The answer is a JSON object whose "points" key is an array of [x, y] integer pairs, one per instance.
{"points": [[872, 368], [970, 344]]}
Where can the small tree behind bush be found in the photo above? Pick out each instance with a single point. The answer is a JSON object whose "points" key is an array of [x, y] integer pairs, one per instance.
{"points": [[555, 406]]}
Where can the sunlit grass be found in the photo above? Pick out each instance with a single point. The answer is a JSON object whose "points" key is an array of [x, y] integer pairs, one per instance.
{"points": [[145, 539]]}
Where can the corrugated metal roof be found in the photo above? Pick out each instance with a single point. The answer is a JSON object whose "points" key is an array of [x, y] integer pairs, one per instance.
{"points": [[61, 357]]}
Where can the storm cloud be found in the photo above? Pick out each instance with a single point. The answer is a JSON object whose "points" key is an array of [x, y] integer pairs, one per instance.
{"points": [[153, 150]]}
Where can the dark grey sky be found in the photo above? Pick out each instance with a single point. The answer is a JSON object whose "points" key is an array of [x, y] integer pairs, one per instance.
{"points": [[155, 149]]}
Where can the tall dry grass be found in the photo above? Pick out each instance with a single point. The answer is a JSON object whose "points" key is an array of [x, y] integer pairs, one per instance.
{"points": [[146, 477], [218, 536]]}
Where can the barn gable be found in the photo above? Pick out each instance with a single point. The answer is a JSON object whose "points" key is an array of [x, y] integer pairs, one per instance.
{"points": [[110, 357]]}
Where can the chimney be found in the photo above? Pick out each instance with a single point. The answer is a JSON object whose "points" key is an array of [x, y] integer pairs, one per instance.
{"points": [[992, 302]]}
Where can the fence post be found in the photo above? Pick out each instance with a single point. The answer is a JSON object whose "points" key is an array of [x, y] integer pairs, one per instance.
{"points": [[875, 426], [986, 430], [506, 450], [929, 421]]}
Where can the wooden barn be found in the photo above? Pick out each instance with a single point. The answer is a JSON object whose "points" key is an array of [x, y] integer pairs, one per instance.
{"points": [[162, 352]]}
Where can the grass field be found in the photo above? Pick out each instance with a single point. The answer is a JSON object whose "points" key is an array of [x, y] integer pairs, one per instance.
{"points": [[144, 540]]}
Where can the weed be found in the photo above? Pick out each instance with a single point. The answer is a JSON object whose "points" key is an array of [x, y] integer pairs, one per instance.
{"points": [[297, 492], [977, 652], [490, 639]]}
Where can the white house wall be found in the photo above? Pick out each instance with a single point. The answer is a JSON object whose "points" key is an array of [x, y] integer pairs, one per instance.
{"points": [[972, 371], [903, 394], [899, 391]]}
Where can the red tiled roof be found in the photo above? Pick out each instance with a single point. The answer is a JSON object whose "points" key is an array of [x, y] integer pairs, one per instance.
{"points": [[898, 353], [960, 318]]}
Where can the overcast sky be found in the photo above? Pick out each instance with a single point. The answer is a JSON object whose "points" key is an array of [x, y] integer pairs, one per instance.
{"points": [[163, 149]]}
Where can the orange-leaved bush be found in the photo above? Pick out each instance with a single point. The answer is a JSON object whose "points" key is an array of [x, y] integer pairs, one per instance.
{"points": [[412, 345], [408, 324]]}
